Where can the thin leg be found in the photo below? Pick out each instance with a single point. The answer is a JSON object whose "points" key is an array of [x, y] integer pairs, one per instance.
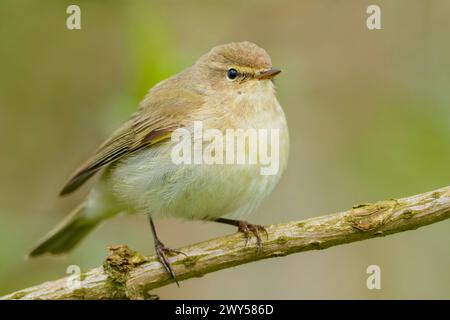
{"points": [[161, 251], [246, 228]]}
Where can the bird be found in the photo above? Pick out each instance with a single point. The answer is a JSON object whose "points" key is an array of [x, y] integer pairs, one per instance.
{"points": [[229, 87]]}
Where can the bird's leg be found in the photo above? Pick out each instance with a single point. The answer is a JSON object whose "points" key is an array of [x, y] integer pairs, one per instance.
{"points": [[161, 251], [246, 228]]}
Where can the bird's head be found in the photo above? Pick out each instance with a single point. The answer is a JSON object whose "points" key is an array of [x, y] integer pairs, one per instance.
{"points": [[236, 67]]}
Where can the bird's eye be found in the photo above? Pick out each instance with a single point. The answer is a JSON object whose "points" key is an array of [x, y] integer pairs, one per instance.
{"points": [[232, 74]]}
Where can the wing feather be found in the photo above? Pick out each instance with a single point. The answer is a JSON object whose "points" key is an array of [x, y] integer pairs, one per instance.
{"points": [[152, 123]]}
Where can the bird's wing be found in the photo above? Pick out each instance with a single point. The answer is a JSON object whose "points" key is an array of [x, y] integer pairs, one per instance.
{"points": [[152, 123]]}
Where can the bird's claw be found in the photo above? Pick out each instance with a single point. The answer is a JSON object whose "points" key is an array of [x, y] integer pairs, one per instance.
{"points": [[247, 229], [161, 251]]}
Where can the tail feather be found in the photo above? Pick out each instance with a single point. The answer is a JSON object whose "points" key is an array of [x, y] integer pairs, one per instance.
{"points": [[66, 235]]}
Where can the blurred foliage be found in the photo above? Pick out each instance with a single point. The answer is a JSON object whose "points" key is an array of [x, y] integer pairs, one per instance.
{"points": [[369, 117]]}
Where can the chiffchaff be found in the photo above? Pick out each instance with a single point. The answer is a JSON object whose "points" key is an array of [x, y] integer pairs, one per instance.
{"points": [[228, 88]]}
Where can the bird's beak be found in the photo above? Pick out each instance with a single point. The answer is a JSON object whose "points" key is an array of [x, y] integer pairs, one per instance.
{"points": [[267, 74]]}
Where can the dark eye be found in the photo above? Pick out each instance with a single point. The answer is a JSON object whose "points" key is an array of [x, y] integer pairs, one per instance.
{"points": [[232, 74]]}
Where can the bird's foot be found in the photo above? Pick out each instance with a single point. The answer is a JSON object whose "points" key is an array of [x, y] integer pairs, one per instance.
{"points": [[161, 252], [248, 229]]}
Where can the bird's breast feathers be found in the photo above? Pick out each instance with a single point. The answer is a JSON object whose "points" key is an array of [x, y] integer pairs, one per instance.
{"points": [[152, 181]]}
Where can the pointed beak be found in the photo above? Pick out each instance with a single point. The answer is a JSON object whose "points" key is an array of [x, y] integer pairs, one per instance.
{"points": [[267, 74]]}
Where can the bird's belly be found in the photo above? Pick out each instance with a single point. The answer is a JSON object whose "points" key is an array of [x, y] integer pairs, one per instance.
{"points": [[149, 182]]}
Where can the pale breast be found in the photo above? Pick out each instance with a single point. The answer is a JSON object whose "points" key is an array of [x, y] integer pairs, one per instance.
{"points": [[149, 181]]}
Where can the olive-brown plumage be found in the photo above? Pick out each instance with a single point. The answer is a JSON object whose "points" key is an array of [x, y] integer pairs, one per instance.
{"points": [[228, 88]]}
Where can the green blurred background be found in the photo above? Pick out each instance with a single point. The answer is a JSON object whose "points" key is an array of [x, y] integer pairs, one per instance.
{"points": [[368, 111]]}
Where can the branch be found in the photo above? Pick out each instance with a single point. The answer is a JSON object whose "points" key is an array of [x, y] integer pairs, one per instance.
{"points": [[126, 274]]}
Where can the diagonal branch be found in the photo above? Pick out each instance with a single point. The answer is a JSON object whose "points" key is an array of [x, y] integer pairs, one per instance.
{"points": [[126, 274]]}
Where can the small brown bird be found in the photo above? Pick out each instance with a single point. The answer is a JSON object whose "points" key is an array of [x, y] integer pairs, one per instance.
{"points": [[228, 88]]}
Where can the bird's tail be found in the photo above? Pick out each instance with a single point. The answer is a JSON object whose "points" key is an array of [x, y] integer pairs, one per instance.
{"points": [[67, 234]]}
